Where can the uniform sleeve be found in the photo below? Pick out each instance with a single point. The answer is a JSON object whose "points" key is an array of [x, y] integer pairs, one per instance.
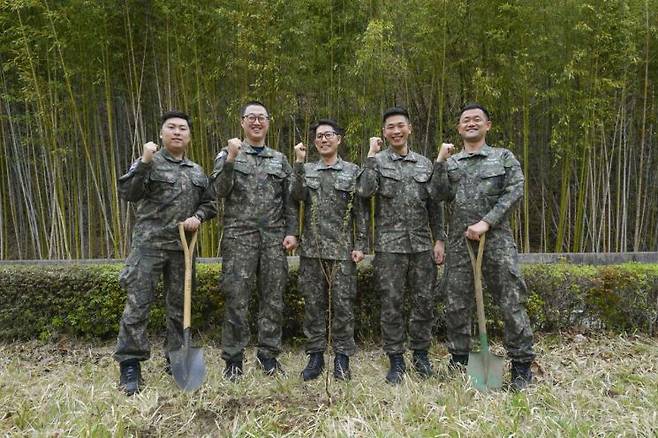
{"points": [[440, 187], [367, 182], [221, 178], [291, 207], [207, 208], [436, 218], [132, 186], [360, 216], [298, 187], [512, 191]]}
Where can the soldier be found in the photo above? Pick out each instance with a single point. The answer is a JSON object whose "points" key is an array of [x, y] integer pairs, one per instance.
{"points": [[407, 222], [483, 184], [329, 250], [260, 225], [167, 189]]}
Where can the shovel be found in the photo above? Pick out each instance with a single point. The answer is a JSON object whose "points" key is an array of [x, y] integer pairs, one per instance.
{"points": [[187, 364], [484, 368]]}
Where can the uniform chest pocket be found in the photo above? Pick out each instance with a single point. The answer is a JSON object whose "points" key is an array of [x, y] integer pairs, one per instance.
{"points": [[200, 181], [421, 179], [389, 182], [454, 174], [162, 178], [345, 184], [163, 187], [492, 179], [312, 182], [274, 169], [243, 167]]}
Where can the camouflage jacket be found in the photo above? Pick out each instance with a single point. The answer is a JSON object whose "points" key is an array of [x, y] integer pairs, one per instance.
{"points": [[335, 219], [256, 192], [485, 185], [167, 191], [407, 217]]}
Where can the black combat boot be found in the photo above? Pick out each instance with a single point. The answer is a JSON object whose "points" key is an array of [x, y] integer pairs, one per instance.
{"points": [[521, 376], [130, 380], [233, 370], [397, 370], [314, 367], [342, 367], [422, 364], [458, 362], [270, 365]]}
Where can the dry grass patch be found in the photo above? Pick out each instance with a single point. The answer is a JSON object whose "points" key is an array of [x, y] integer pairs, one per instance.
{"points": [[586, 385]]}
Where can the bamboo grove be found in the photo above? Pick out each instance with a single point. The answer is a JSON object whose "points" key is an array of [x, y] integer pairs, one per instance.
{"points": [[571, 86]]}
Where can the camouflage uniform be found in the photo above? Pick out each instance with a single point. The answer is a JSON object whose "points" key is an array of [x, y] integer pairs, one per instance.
{"points": [[167, 191], [258, 214], [333, 216], [406, 220], [484, 185]]}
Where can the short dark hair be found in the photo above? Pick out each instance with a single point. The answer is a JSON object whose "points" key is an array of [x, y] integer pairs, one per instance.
{"points": [[395, 111], [331, 122], [172, 114], [473, 105], [252, 102]]}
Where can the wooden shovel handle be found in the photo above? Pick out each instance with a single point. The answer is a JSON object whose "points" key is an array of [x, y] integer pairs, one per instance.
{"points": [[477, 282], [188, 251]]}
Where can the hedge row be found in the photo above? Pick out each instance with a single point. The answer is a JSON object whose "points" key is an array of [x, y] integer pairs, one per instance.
{"points": [[86, 301]]}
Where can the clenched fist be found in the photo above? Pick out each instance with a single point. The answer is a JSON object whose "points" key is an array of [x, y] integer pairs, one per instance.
{"points": [[234, 148], [445, 151], [300, 152], [150, 149], [375, 146]]}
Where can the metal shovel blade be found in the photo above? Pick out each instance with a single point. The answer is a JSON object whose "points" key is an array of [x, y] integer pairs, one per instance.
{"points": [[485, 370], [187, 365]]}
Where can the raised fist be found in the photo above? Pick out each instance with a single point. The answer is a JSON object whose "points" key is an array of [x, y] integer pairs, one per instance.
{"points": [[234, 147], [150, 149], [375, 146], [445, 151], [300, 152]]}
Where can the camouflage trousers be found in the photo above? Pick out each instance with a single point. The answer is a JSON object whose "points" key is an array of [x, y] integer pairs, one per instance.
{"points": [[501, 278], [249, 263], [314, 286], [395, 272], [139, 278]]}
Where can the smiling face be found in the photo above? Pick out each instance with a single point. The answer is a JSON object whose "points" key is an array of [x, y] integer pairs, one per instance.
{"points": [[396, 131], [473, 126], [175, 134], [326, 142], [255, 123]]}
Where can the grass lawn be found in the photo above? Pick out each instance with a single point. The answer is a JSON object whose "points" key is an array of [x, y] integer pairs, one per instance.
{"points": [[598, 385]]}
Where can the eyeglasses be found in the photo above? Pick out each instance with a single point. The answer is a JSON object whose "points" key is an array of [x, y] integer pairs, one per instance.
{"points": [[328, 135], [253, 117]]}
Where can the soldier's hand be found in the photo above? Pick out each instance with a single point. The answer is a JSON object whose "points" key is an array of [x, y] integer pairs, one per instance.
{"points": [[192, 223], [149, 150], [439, 252], [233, 149], [357, 256], [300, 152], [474, 231], [290, 243], [445, 151], [375, 146]]}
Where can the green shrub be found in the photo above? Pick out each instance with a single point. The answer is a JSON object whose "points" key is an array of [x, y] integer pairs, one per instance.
{"points": [[43, 301]]}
